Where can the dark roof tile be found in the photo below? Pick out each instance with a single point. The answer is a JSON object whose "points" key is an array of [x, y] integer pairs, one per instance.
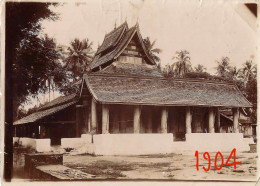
{"points": [[42, 114], [162, 91]]}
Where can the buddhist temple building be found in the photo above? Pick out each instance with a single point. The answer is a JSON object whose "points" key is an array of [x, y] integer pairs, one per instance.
{"points": [[126, 106]]}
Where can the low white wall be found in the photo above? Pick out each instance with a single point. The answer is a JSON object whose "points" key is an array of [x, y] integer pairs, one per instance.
{"points": [[72, 142], [132, 144], [249, 140], [87, 138], [40, 145], [213, 142], [43, 145], [28, 142], [15, 140]]}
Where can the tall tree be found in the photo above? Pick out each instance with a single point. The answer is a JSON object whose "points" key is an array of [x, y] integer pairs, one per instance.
{"points": [[251, 95], [248, 74], [233, 73], [23, 23], [153, 52], [30, 58], [182, 64], [223, 67], [247, 71], [200, 68], [80, 55]]}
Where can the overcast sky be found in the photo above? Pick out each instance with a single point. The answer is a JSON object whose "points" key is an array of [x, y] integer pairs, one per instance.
{"points": [[207, 30]]}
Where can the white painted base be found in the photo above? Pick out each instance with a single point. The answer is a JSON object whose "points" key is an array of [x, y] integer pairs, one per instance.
{"points": [[40, 145], [138, 144], [43, 145], [214, 142], [132, 144], [72, 142]]}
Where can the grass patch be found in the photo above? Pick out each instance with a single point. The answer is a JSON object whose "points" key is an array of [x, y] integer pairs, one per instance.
{"points": [[172, 169], [103, 168], [154, 165], [158, 155]]}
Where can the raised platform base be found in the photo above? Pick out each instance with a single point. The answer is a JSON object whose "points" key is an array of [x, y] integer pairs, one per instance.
{"points": [[139, 144], [132, 144]]}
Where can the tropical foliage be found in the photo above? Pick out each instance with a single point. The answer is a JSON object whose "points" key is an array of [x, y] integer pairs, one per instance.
{"points": [[29, 58], [182, 64], [223, 67], [153, 52], [80, 55], [199, 68]]}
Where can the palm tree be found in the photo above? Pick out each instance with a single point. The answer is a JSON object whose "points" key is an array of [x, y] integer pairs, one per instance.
{"points": [[233, 73], [200, 68], [248, 71], [183, 64], [151, 50], [80, 55], [223, 67]]}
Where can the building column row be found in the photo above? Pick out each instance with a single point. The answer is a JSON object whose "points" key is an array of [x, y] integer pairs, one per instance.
{"points": [[188, 120], [235, 119], [164, 118]]}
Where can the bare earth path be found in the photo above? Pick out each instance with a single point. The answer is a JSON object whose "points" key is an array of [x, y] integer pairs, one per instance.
{"points": [[169, 166]]}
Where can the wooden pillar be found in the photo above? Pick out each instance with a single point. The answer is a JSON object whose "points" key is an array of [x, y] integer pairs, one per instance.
{"points": [[105, 119], [235, 119], [116, 123], [217, 120], [27, 133], [211, 120], [42, 131], [123, 124], [89, 121], [85, 115], [93, 116], [188, 120], [164, 118], [150, 122], [137, 115], [78, 108]]}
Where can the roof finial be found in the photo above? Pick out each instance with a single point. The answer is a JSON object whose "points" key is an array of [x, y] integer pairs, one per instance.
{"points": [[115, 25], [137, 24]]}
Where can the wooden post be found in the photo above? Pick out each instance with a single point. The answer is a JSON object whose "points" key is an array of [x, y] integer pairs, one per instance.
{"points": [[235, 119], [116, 123], [105, 119], [93, 116], [89, 121], [137, 115], [188, 120], [217, 120], [86, 115], [123, 124], [77, 121], [42, 131], [150, 122], [164, 118], [211, 120]]}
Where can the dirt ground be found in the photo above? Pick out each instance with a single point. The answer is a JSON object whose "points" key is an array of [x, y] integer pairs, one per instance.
{"points": [[169, 166]]}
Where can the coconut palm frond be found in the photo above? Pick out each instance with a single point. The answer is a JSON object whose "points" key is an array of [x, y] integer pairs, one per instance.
{"points": [[80, 55], [151, 50]]}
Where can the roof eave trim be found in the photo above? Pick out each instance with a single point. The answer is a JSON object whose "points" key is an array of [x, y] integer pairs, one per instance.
{"points": [[89, 88], [159, 104]]}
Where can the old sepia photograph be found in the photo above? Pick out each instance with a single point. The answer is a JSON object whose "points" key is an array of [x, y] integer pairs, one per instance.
{"points": [[130, 90]]}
